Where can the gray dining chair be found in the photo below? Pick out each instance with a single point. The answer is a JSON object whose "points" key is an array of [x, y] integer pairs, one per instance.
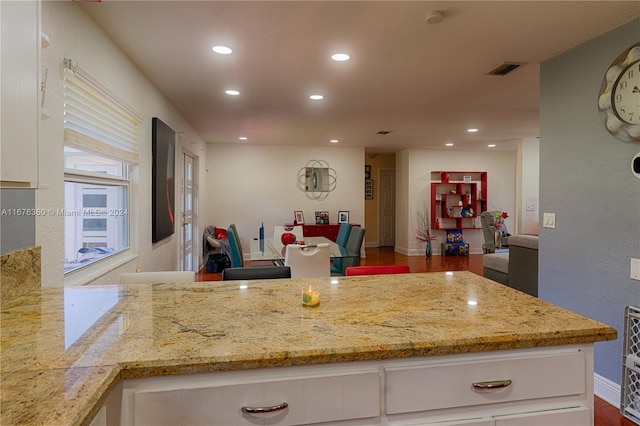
{"points": [[354, 245], [256, 273]]}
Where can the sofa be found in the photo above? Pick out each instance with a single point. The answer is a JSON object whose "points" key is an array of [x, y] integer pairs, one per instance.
{"points": [[517, 268]]}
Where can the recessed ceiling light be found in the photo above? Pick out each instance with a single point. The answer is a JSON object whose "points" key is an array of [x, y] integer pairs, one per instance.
{"points": [[472, 130], [232, 92], [316, 97], [334, 141], [223, 50], [491, 145], [448, 144], [243, 138], [340, 57]]}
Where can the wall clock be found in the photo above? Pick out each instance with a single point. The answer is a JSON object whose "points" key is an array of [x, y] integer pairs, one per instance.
{"points": [[619, 99]]}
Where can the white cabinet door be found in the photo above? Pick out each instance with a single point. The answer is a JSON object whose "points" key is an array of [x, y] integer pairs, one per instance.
{"points": [[308, 400], [431, 387], [19, 71], [580, 416], [470, 422]]}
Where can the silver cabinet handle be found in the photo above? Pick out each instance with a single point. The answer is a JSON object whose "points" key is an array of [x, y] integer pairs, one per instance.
{"points": [[494, 384], [255, 410]]}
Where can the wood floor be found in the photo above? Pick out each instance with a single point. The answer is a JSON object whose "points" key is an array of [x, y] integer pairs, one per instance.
{"points": [[605, 413]]}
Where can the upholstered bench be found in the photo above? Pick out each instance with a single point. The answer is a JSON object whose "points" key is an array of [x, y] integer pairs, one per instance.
{"points": [[495, 266]]}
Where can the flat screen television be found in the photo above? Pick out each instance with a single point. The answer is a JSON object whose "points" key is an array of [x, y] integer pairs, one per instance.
{"points": [[162, 180]]}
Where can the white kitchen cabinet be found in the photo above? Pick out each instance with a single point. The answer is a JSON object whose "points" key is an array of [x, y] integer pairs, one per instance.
{"points": [[540, 386], [566, 417], [218, 399], [570, 417], [19, 93]]}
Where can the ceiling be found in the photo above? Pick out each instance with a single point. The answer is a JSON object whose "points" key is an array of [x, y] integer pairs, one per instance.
{"points": [[425, 84]]}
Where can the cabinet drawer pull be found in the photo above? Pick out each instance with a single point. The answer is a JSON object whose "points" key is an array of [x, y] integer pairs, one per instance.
{"points": [[255, 410], [494, 384]]}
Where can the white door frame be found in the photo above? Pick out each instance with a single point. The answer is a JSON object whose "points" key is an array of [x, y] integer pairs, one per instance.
{"points": [[381, 202], [192, 264]]}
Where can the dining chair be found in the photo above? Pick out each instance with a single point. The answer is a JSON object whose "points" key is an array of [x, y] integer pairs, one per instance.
{"points": [[156, 277], [308, 261], [376, 270], [354, 244], [343, 234], [235, 248], [266, 272]]}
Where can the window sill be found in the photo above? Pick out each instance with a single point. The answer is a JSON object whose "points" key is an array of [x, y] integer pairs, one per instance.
{"points": [[86, 275]]}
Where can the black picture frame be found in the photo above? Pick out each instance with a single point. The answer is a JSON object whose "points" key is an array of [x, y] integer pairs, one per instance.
{"points": [[163, 151], [343, 216], [368, 189]]}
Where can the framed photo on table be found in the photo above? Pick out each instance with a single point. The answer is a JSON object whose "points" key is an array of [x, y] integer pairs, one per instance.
{"points": [[298, 217], [343, 217], [322, 218]]}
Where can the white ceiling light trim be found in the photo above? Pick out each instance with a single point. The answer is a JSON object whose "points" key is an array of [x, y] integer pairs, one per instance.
{"points": [[222, 50], [340, 57]]}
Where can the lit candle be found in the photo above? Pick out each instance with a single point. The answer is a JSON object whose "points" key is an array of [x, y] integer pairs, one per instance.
{"points": [[310, 297]]}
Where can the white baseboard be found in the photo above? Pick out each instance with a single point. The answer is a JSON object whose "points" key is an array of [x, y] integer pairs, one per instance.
{"points": [[607, 390]]}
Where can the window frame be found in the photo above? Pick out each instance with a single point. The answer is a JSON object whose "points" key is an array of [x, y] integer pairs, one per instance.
{"points": [[97, 122]]}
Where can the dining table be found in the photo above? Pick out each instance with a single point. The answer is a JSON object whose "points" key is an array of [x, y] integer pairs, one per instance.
{"points": [[273, 250]]}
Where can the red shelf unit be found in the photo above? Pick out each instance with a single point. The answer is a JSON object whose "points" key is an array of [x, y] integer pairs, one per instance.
{"points": [[448, 190]]}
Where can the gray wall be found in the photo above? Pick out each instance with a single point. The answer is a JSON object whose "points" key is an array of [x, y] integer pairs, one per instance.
{"points": [[16, 231], [586, 179]]}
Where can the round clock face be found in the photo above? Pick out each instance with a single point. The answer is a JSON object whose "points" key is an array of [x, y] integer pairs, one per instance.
{"points": [[619, 98], [625, 96]]}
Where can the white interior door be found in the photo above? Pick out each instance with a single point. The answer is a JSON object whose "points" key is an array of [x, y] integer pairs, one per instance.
{"points": [[188, 239]]}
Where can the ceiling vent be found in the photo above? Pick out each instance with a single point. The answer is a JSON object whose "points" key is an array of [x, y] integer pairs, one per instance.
{"points": [[505, 68], [383, 132]]}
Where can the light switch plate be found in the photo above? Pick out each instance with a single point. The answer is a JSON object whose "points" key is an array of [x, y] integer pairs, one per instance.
{"points": [[635, 269], [549, 220]]}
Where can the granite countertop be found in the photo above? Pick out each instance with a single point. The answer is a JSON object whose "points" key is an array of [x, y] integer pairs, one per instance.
{"points": [[63, 350]]}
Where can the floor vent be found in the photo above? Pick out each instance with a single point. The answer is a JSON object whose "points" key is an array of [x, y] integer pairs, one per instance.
{"points": [[505, 68]]}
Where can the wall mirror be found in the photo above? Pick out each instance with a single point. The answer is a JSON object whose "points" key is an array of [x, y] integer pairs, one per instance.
{"points": [[317, 179]]}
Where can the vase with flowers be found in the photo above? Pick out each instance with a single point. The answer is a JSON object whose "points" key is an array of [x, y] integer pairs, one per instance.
{"points": [[501, 228], [423, 233]]}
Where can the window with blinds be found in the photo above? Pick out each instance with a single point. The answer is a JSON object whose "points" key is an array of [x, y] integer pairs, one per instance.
{"points": [[100, 151]]}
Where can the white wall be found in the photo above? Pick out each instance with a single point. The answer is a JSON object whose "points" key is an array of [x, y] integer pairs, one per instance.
{"points": [[414, 167], [253, 184], [527, 191], [74, 35]]}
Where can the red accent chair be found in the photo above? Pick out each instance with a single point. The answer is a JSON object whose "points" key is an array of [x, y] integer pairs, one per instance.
{"points": [[376, 270]]}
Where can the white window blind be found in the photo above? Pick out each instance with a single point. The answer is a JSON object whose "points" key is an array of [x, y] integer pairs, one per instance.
{"points": [[96, 120]]}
